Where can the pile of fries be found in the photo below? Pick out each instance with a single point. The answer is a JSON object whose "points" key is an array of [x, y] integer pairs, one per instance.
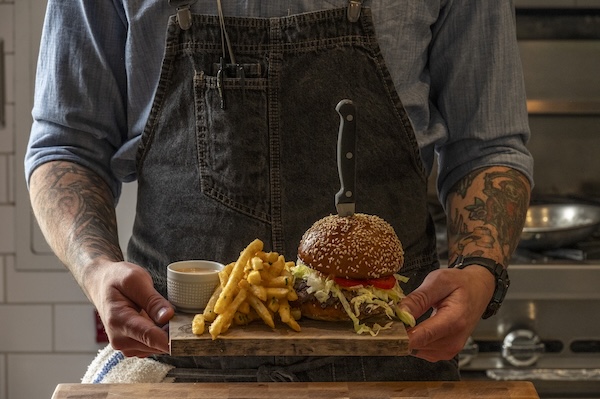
{"points": [[258, 285]]}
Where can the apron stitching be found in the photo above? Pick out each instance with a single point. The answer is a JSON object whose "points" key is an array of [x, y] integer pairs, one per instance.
{"points": [[161, 90], [275, 60]]}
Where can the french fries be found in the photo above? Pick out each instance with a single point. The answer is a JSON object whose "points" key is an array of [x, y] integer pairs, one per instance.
{"points": [[226, 297], [209, 311], [198, 324], [259, 285], [224, 319]]}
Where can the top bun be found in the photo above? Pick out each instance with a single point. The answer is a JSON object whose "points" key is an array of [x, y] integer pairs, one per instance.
{"points": [[355, 247]]}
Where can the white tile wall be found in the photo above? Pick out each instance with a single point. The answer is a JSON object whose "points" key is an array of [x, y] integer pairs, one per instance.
{"points": [[2, 291], [6, 27], [36, 375], [4, 178], [7, 237], [40, 286], [3, 384], [74, 328], [9, 65], [7, 145], [47, 328], [26, 328], [11, 182]]}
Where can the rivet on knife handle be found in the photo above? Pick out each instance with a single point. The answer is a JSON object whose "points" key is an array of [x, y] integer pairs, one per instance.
{"points": [[346, 158]]}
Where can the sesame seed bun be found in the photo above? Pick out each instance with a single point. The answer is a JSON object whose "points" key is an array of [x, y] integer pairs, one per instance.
{"points": [[355, 247]]}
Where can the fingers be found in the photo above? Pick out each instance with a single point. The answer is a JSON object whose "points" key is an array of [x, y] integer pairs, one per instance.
{"points": [[440, 337], [456, 303], [134, 313], [435, 288], [136, 334]]}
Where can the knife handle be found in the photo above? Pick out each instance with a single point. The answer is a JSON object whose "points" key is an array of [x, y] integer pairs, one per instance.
{"points": [[346, 151]]}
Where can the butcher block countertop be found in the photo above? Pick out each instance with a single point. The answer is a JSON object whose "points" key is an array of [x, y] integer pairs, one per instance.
{"points": [[314, 390]]}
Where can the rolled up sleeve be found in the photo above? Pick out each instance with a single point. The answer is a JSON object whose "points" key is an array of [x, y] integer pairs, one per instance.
{"points": [[79, 113], [477, 87]]}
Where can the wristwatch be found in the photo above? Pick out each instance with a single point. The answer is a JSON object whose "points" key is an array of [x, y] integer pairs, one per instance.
{"points": [[500, 274]]}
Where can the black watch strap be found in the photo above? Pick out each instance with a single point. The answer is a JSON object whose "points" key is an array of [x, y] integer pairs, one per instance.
{"points": [[500, 274]]}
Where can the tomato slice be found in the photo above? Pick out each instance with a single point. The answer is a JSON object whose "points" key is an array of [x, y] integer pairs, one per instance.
{"points": [[384, 283]]}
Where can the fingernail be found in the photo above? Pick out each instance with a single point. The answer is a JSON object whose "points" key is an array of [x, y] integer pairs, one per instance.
{"points": [[162, 312]]}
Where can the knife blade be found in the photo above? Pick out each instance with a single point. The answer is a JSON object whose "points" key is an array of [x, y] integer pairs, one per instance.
{"points": [[346, 158]]}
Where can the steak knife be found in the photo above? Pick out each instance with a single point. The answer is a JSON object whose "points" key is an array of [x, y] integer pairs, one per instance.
{"points": [[346, 158]]}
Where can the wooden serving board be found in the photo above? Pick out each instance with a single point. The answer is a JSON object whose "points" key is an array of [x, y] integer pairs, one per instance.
{"points": [[301, 390], [318, 338]]}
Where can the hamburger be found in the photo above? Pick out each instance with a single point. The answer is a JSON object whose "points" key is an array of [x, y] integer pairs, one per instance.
{"points": [[347, 269]]}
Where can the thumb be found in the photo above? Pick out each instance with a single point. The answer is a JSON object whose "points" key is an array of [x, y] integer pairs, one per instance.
{"points": [[159, 309]]}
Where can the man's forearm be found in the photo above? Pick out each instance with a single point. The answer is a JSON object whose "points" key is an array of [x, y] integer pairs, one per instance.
{"points": [[486, 212], [75, 210]]}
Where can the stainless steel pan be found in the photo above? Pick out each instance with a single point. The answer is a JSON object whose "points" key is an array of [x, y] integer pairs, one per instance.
{"points": [[549, 226]]}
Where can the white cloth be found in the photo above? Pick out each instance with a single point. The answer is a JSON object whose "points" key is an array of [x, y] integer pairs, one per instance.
{"points": [[112, 367]]}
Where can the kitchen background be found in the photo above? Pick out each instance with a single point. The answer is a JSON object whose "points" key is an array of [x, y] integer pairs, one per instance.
{"points": [[48, 332]]}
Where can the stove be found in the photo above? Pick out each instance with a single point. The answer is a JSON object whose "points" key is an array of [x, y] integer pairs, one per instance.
{"points": [[548, 328]]}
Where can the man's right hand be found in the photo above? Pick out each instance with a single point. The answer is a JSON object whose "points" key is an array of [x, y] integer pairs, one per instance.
{"points": [[132, 311]]}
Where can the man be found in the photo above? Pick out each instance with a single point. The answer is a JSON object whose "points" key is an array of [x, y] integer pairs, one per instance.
{"points": [[232, 137]]}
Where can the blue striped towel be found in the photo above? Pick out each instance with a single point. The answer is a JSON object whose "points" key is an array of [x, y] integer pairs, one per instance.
{"points": [[112, 367]]}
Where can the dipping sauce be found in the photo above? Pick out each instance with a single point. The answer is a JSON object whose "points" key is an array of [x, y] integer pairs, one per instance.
{"points": [[191, 283], [196, 270]]}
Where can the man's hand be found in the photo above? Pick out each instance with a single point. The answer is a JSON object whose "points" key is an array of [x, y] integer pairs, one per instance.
{"points": [[458, 298], [132, 311]]}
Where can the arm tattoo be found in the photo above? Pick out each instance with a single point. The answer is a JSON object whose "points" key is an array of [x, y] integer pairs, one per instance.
{"points": [[463, 185], [494, 203], [80, 202]]}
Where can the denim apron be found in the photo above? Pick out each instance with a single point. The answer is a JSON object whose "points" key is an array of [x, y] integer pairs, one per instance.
{"points": [[237, 151]]}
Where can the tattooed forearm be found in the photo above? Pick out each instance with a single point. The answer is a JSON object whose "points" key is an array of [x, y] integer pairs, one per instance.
{"points": [[486, 212], [75, 210]]}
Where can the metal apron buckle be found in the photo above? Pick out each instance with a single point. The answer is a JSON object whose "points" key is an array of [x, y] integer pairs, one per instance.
{"points": [[184, 15], [354, 7]]}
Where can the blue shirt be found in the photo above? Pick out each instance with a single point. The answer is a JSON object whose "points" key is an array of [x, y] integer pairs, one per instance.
{"points": [[455, 65]]}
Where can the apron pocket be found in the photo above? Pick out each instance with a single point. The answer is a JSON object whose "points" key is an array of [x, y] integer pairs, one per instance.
{"points": [[233, 142]]}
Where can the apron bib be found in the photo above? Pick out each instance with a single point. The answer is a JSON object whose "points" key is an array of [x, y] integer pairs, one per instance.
{"points": [[241, 144]]}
